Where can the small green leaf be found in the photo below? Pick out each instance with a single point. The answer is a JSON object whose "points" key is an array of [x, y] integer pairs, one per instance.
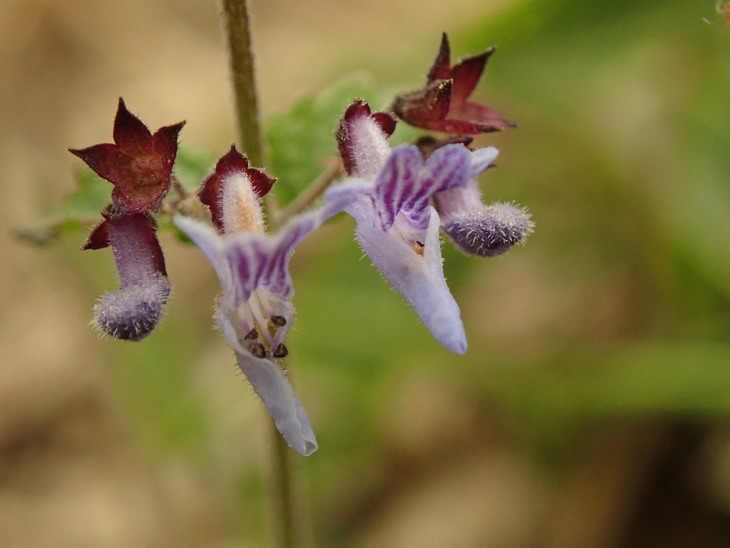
{"points": [[192, 165], [79, 209], [92, 195], [301, 141]]}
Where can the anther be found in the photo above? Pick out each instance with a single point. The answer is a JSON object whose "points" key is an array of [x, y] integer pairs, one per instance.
{"points": [[418, 247], [251, 335], [278, 321], [258, 350], [281, 351]]}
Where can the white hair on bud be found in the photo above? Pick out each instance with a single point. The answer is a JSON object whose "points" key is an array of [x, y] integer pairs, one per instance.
{"points": [[490, 230], [132, 312]]}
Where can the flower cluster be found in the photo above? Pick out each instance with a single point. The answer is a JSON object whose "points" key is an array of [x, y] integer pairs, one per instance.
{"points": [[401, 198], [139, 165], [397, 226]]}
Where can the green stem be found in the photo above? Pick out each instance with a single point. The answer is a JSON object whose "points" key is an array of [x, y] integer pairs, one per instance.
{"points": [[237, 26], [283, 521]]}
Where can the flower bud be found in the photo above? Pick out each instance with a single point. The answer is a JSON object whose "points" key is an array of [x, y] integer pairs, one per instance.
{"points": [[362, 139], [478, 229], [134, 310]]}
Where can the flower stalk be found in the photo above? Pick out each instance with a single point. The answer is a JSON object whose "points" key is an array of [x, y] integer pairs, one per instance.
{"points": [[237, 27]]}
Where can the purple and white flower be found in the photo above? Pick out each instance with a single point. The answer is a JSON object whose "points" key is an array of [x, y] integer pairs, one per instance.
{"points": [[255, 311], [396, 225]]}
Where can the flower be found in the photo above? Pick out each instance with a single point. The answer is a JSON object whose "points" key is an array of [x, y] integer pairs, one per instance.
{"points": [[443, 103], [396, 226], [138, 164], [255, 312]]}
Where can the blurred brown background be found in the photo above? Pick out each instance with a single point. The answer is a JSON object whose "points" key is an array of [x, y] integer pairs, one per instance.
{"points": [[592, 407]]}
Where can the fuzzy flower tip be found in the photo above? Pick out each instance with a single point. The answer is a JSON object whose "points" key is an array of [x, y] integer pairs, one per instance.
{"points": [[135, 309], [476, 228], [443, 103], [138, 163], [255, 312], [396, 225]]}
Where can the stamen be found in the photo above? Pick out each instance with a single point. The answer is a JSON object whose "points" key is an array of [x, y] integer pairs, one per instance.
{"points": [[253, 334], [418, 247], [278, 321], [281, 351], [258, 350], [260, 309]]}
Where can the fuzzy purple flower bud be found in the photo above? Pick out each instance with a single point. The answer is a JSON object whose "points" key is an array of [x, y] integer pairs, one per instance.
{"points": [[478, 229], [135, 309]]}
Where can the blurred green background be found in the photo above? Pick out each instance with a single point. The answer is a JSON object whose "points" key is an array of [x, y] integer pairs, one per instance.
{"points": [[592, 406]]}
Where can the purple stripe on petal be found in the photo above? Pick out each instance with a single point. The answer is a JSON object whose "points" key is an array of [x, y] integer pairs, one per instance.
{"points": [[418, 218], [448, 167], [270, 268], [248, 259], [290, 236], [396, 183], [241, 268]]}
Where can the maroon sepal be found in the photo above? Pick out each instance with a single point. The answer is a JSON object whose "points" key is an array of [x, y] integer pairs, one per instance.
{"points": [[359, 108], [99, 237], [443, 105], [138, 225], [230, 163], [138, 164]]}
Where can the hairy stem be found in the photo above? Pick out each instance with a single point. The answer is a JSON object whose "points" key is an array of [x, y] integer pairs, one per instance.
{"points": [[282, 519], [237, 26]]}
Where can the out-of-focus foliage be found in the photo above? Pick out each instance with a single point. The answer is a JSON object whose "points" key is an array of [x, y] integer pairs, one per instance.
{"points": [[80, 208], [301, 139], [618, 307], [619, 304]]}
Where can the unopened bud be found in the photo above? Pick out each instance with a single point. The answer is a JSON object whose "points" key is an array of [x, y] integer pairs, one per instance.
{"points": [[135, 309], [478, 229], [491, 230], [132, 312]]}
